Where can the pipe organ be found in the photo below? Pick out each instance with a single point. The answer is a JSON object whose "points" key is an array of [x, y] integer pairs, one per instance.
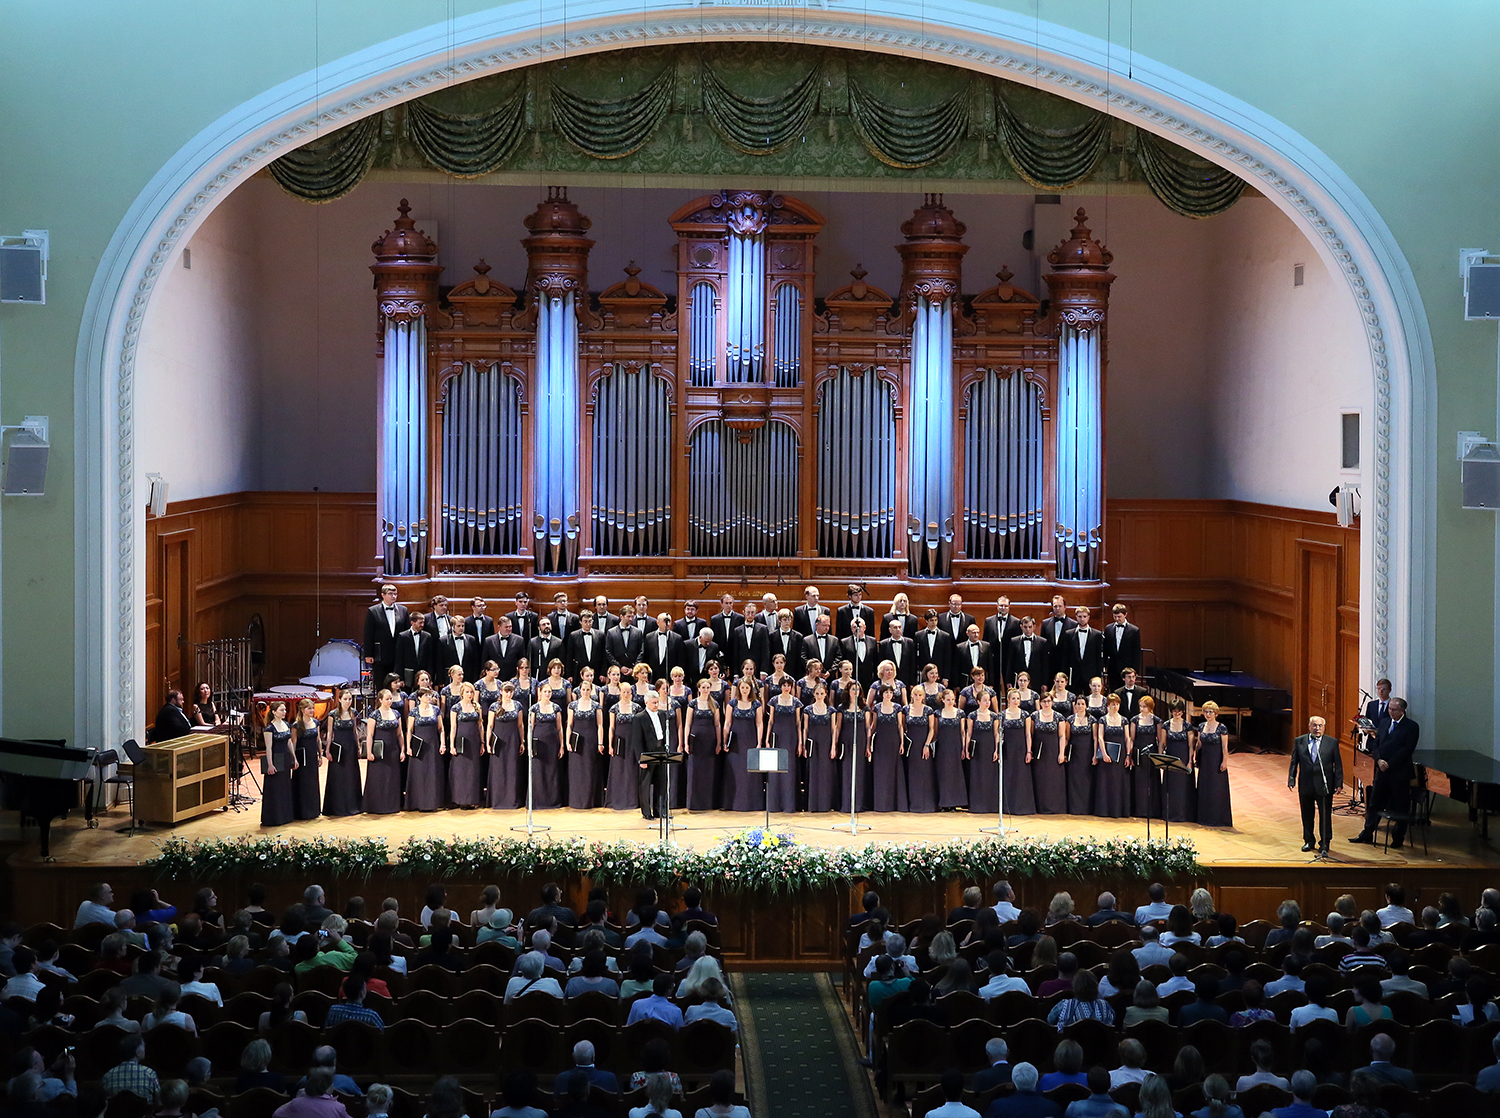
{"points": [[551, 430]]}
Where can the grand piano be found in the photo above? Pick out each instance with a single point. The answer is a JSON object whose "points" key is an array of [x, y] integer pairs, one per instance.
{"points": [[40, 779], [1239, 694]]}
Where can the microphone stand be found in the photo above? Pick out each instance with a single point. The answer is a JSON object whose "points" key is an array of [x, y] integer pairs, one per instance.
{"points": [[531, 827], [855, 826], [999, 828]]}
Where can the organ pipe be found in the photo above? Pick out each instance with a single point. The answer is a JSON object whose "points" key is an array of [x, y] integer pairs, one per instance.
{"points": [[787, 340], [702, 334], [855, 506], [743, 494], [930, 530], [746, 299], [480, 504], [632, 442], [1003, 483]]}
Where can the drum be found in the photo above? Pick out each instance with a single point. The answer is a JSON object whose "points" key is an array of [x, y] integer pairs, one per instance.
{"points": [[337, 658], [294, 693]]}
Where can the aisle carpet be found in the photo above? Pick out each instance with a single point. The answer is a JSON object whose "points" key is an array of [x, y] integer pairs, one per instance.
{"points": [[798, 1049]]}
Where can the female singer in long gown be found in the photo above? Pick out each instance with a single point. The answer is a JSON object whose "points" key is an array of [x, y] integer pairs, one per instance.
{"points": [[968, 698], [1017, 752], [809, 682], [786, 725], [705, 736], [306, 795], [885, 724], [676, 699], [449, 695], [1145, 780], [822, 760], [524, 684], [341, 793], [488, 689], [562, 690], [983, 754], [385, 746], [1080, 750], [465, 772], [744, 791], [1097, 705], [770, 690], [427, 745], [931, 687], [1179, 796], [585, 744], [1028, 696], [1111, 779], [276, 797], [624, 747], [921, 764], [507, 717], [546, 749], [1049, 776], [949, 745], [1062, 698], [854, 743], [1212, 761], [885, 680]]}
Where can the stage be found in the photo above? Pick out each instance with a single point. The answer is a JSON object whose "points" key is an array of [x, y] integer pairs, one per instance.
{"points": [[1250, 867]]}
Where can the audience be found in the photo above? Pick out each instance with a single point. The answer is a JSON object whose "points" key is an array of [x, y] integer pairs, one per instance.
{"points": [[1158, 909], [1067, 1062], [997, 1074], [1395, 910], [721, 1091], [1132, 1054], [1382, 1048], [1263, 1056], [518, 1094], [1302, 1086], [952, 1086], [1216, 1100], [1084, 1003], [658, 1005], [1107, 913], [1026, 1101], [583, 1068]]}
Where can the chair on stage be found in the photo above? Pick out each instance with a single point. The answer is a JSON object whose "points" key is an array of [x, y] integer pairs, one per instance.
{"points": [[1417, 813]]}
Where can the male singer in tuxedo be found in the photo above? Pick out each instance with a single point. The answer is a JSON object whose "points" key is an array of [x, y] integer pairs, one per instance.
{"points": [[439, 622], [770, 611], [1317, 772], [564, 620], [416, 651], [698, 655], [1028, 653], [505, 648], [543, 648], [1122, 644], [643, 619], [956, 622], [900, 611], [479, 625], [787, 641], [1391, 787], [843, 620], [1085, 658], [973, 652], [999, 628], [459, 648], [523, 619], [623, 643], [935, 647], [724, 623], [749, 641], [662, 649], [862, 652], [900, 650], [658, 737], [1130, 695], [1055, 626], [584, 648], [688, 625], [805, 616], [822, 646], [604, 621], [384, 622]]}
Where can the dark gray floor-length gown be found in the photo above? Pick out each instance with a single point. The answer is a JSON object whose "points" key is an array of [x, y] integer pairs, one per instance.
{"points": [[277, 800], [782, 787], [887, 775], [424, 767], [341, 792], [1080, 766], [504, 763], [822, 770], [921, 772], [703, 757], [305, 790], [1179, 796], [1020, 795], [621, 793], [584, 770], [1145, 780], [948, 751], [1213, 785], [1048, 777], [383, 773], [1112, 781], [466, 761], [743, 791], [546, 773]]}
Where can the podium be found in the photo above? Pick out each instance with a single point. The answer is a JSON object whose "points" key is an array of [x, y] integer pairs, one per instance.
{"points": [[766, 762], [666, 762], [1165, 763]]}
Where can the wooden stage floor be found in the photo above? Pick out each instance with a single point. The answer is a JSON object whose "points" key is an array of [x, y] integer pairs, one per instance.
{"points": [[1267, 833]]}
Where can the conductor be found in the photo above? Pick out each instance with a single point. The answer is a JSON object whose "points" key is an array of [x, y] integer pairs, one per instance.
{"points": [[1394, 745], [1317, 772]]}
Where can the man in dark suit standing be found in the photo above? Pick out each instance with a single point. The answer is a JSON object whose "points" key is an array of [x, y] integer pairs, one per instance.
{"points": [[787, 641], [861, 651], [543, 648], [439, 622], [1317, 772], [1055, 626], [459, 648], [900, 611], [416, 651], [725, 622], [604, 621], [1122, 644], [1377, 712], [643, 619], [688, 625], [623, 643], [749, 641], [973, 652], [479, 624], [1085, 653], [770, 612], [1130, 695], [564, 621], [662, 649], [584, 648], [1028, 653], [822, 646], [843, 621], [1393, 773], [700, 654], [933, 646], [523, 618], [384, 622], [505, 648], [805, 616], [900, 650], [956, 622], [658, 738], [999, 629]]}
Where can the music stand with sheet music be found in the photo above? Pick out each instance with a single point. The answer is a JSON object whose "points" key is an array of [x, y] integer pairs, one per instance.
{"points": [[1165, 763], [667, 761], [766, 761]]}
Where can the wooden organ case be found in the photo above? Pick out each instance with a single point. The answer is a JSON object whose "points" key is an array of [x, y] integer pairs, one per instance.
{"points": [[743, 431]]}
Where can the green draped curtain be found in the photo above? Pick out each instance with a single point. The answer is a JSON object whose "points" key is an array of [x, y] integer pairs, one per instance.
{"points": [[612, 129], [1191, 187], [330, 166], [759, 125], [1050, 158], [908, 137], [472, 143]]}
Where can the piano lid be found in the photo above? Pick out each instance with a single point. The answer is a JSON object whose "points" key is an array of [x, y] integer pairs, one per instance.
{"points": [[54, 760]]}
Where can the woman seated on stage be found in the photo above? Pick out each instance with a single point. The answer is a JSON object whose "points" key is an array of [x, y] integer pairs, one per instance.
{"points": [[205, 710]]}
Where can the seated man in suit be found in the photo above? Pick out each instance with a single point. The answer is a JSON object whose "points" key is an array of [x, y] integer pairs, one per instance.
{"points": [[1027, 1101], [1382, 1048], [583, 1067], [171, 720], [1304, 1086], [997, 1052], [1108, 913]]}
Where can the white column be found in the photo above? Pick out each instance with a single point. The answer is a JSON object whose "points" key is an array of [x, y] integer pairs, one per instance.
{"points": [[556, 426], [931, 438], [1080, 457], [403, 465]]}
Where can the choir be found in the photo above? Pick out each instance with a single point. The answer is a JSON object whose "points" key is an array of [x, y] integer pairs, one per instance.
{"points": [[903, 723]]}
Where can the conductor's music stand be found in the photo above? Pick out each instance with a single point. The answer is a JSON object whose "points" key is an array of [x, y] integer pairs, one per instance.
{"points": [[766, 762], [1165, 763], [666, 761]]}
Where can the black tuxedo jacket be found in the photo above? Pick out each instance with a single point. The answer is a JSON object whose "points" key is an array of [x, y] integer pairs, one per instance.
{"points": [[1122, 649], [724, 625], [1086, 663], [864, 670], [540, 652], [935, 647], [1033, 660], [651, 741], [688, 630], [661, 666], [461, 649], [1130, 702], [805, 621], [1317, 775], [171, 722], [379, 644], [575, 658], [749, 642], [999, 631], [1056, 653], [825, 649], [1394, 745], [644, 625], [480, 628], [1378, 713], [505, 652], [843, 620], [622, 646], [431, 624], [791, 646], [563, 624], [523, 624], [690, 656], [906, 669], [910, 623], [604, 622], [946, 621], [963, 661], [416, 652]]}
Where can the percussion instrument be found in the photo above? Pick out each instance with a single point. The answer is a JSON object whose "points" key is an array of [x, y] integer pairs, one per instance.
{"points": [[294, 693], [339, 658]]}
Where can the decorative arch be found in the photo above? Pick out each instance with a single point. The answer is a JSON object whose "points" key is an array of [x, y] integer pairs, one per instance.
{"points": [[1304, 182]]}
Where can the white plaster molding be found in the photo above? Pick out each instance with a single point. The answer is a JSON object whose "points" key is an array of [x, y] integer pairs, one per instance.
{"points": [[1336, 216]]}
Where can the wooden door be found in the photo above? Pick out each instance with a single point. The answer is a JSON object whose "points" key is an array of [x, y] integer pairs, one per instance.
{"points": [[176, 593], [1316, 686]]}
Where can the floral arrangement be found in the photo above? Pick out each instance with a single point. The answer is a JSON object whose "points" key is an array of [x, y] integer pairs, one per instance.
{"points": [[752, 860]]}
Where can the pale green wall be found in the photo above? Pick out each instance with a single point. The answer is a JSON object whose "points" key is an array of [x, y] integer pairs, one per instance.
{"points": [[97, 96]]}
